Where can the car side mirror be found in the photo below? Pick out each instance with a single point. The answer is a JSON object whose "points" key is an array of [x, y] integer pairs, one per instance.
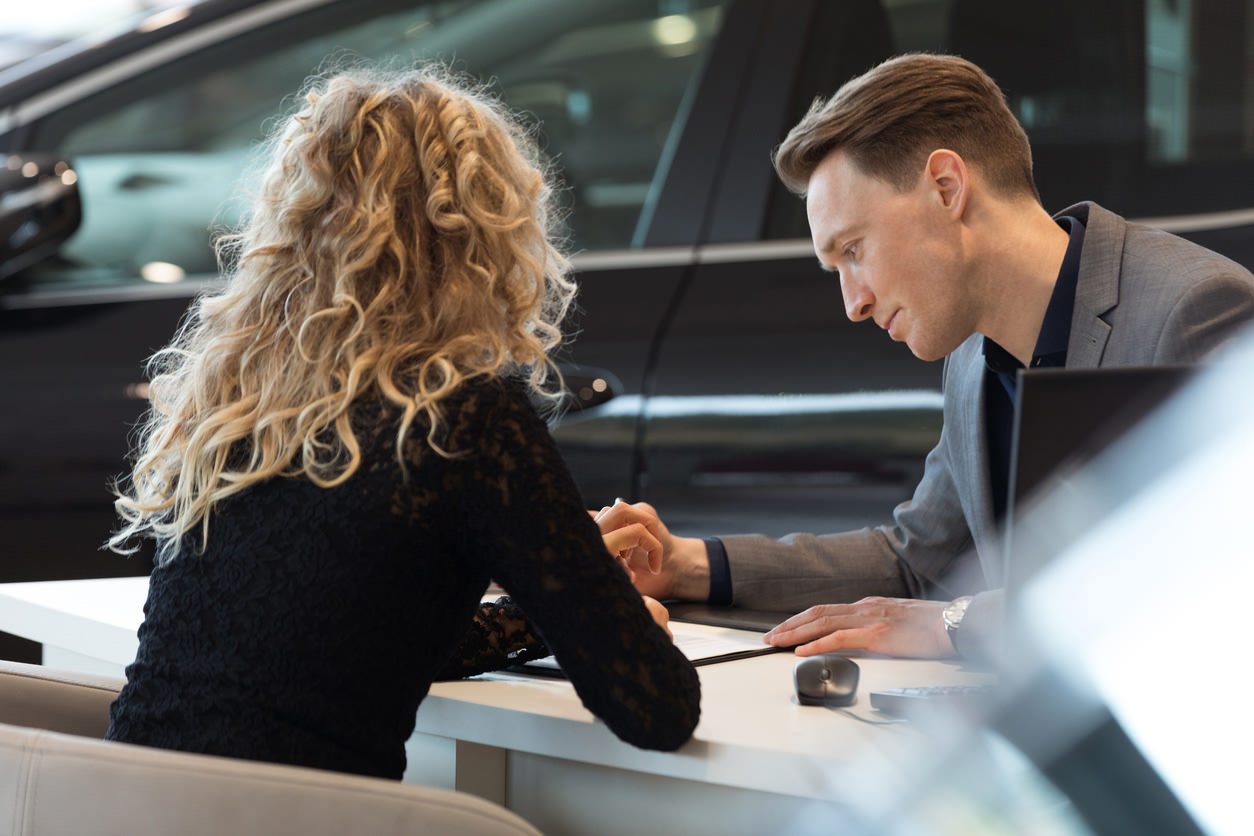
{"points": [[39, 208], [589, 386]]}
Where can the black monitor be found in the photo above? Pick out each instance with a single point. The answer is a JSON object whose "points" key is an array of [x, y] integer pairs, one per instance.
{"points": [[1062, 418]]}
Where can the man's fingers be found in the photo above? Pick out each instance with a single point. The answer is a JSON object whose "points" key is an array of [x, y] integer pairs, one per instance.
{"points": [[795, 621], [811, 624], [654, 557], [624, 541], [897, 627], [622, 514], [650, 545], [857, 638]]}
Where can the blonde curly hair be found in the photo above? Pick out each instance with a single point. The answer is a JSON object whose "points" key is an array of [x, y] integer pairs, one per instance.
{"points": [[402, 242]]}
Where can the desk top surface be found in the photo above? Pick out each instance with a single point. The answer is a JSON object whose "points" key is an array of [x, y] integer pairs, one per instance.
{"points": [[753, 733], [96, 617]]}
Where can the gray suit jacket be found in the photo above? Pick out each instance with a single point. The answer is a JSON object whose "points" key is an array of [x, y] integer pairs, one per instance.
{"points": [[1143, 297]]}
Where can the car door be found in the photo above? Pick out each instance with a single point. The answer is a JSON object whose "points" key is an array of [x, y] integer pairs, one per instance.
{"points": [[161, 143], [767, 410], [770, 411]]}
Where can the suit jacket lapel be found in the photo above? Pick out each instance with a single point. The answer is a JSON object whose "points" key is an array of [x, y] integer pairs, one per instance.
{"points": [[1097, 286]]}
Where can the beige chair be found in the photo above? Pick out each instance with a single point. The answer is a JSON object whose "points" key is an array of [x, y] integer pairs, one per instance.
{"points": [[58, 777], [32, 695]]}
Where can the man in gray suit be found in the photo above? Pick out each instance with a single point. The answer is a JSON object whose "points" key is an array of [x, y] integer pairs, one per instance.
{"points": [[919, 191]]}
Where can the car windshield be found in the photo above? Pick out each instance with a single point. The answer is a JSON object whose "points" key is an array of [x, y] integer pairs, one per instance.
{"points": [[28, 29], [159, 156]]}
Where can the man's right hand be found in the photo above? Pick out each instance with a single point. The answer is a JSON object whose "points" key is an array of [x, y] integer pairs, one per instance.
{"points": [[684, 572]]}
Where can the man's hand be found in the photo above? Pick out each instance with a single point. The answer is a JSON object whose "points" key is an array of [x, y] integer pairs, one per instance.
{"points": [[892, 626], [680, 570], [634, 539]]}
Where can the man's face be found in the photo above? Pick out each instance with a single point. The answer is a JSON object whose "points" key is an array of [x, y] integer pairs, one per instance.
{"points": [[898, 253]]}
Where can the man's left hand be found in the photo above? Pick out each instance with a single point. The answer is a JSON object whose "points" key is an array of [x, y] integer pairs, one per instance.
{"points": [[891, 626]]}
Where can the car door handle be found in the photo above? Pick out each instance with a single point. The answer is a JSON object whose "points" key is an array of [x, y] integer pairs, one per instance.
{"points": [[139, 182]]}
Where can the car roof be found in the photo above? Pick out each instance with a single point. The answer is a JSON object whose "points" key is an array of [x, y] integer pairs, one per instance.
{"points": [[77, 57]]}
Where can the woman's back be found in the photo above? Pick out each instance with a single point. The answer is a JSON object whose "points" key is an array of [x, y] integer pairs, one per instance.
{"points": [[315, 621]]}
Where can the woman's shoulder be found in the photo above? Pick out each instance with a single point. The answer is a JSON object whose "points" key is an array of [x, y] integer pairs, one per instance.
{"points": [[484, 405], [480, 394], [490, 390], [479, 409]]}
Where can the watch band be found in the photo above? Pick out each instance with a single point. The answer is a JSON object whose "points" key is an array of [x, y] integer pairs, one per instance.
{"points": [[953, 613]]}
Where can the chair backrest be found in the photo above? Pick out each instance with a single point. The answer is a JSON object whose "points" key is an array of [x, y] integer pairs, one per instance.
{"points": [[61, 701], [54, 783]]}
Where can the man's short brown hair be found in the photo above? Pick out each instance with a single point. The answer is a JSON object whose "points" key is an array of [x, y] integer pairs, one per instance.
{"points": [[890, 118]]}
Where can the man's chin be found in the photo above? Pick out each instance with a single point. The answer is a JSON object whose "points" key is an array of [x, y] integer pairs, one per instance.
{"points": [[926, 353]]}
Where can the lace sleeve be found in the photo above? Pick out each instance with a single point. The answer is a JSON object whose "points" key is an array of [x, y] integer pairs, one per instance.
{"points": [[500, 635], [526, 525]]}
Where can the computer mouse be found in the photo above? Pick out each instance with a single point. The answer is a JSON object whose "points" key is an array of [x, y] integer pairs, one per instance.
{"points": [[828, 679]]}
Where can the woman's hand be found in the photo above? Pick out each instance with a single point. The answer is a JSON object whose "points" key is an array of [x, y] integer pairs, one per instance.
{"points": [[660, 614], [636, 539]]}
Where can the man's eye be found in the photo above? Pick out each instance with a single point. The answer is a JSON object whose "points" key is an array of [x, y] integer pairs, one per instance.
{"points": [[851, 251]]}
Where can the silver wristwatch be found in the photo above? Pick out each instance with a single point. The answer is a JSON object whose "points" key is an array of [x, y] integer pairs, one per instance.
{"points": [[953, 613]]}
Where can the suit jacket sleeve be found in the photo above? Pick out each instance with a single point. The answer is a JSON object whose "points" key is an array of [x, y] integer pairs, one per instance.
{"points": [[902, 560], [1205, 318]]}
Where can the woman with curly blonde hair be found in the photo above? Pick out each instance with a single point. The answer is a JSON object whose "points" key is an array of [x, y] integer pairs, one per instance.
{"points": [[342, 451]]}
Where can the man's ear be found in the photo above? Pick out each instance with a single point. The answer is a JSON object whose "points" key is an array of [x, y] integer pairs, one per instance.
{"points": [[947, 175]]}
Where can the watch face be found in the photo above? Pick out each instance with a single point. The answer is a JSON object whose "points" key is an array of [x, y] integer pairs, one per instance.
{"points": [[953, 613]]}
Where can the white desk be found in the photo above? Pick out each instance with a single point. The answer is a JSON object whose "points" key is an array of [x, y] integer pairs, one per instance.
{"points": [[86, 625], [758, 762]]}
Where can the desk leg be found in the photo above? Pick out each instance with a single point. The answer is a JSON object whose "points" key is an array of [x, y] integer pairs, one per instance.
{"points": [[481, 770]]}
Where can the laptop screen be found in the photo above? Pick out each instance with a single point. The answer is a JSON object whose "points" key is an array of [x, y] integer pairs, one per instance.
{"points": [[1063, 417]]}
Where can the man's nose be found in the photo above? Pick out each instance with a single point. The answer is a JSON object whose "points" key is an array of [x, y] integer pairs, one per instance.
{"points": [[858, 299]]}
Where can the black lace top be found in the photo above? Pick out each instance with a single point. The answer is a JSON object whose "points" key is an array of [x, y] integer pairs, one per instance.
{"points": [[313, 625]]}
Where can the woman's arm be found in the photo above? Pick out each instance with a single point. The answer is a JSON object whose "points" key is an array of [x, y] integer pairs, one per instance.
{"points": [[526, 524]]}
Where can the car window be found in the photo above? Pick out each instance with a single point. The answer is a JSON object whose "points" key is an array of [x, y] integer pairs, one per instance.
{"points": [[1146, 106], [159, 156]]}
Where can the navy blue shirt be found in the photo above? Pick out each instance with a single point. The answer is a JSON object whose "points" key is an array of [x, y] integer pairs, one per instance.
{"points": [[999, 383]]}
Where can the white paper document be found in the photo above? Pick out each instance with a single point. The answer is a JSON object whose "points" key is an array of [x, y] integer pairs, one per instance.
{"points": [[700, 647]]}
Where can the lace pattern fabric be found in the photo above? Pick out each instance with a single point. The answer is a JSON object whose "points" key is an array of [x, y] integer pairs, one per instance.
{"points": [[316, 620]]}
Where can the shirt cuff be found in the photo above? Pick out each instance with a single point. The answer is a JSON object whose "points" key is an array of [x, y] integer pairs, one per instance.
{"points": [[720, 573]]}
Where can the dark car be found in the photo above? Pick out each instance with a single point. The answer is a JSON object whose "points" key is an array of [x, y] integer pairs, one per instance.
{"points": [[714, 372]]}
